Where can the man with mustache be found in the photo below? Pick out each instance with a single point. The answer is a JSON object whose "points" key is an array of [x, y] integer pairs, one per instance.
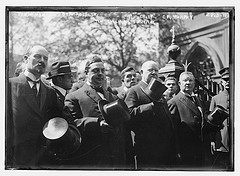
{"points": [[102, 144], [31, 103], [151, 123]]}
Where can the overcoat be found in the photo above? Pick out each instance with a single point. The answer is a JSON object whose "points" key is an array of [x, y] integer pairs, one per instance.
{"points": [[60, 99], [98, 150], [129, 135], [25, 121], [153, 128]]}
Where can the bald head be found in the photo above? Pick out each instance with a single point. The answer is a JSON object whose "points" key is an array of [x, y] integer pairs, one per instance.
{"points": [[149, 70], [37, 49]]}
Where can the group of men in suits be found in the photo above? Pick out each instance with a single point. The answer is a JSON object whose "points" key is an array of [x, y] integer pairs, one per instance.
{"points": [[167, 134]]}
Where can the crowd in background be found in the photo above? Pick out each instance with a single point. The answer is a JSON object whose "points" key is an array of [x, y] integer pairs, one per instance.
{"points": [[168, 131]]}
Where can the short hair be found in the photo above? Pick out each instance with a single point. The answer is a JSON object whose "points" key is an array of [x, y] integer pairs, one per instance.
{"points": [[170, 78], [127, 69], [92, 60], [186, 73]]}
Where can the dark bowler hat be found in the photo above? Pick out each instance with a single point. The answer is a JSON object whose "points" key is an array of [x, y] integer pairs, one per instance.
{"points": [[217, 116], [61, 139], [115, 112], [224, 72], [155, 89], [59, 68]]}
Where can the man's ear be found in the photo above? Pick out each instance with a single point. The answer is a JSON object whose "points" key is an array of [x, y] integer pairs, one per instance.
{"points": [[59, 79], [179, 83], [25, 58]]}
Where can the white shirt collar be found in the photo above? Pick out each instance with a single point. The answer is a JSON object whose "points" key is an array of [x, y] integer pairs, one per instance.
{"points": [[30, 75], [125, 88], [188, 94], [60, 89], [145, 82], [100, 94]]}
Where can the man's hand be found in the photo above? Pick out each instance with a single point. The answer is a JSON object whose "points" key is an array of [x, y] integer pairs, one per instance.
{"points": [[213, 147], [105, 127]]}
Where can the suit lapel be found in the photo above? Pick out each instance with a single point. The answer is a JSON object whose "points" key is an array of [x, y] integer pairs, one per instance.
{"points": [[29, 96], [61, 97], [107, 95], [43, 94], [188, 103], [91, 93]]}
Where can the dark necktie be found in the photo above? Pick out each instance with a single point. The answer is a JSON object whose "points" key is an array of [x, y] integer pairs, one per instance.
{"points": [[99, 89], [194, 99], [34, 88]]}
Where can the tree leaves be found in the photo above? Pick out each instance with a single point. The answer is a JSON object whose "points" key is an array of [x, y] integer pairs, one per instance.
{"points": [[121, 38]]}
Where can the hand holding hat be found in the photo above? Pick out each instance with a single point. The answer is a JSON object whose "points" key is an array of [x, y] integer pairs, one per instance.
{"points": [[154, 90], [216, 117], [62, 139], [114, 113], [105, 127]]}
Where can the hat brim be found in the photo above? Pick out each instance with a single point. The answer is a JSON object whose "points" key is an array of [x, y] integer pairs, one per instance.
{"points": [[213, 124], [61, 138], [60, 74], [225, 76], [101, 103]]}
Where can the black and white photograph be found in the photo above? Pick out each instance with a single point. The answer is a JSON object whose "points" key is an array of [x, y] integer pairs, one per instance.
{"points": [[120, 88]]}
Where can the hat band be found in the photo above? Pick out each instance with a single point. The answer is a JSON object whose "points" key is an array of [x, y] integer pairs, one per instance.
{"points": [[63, 70]]}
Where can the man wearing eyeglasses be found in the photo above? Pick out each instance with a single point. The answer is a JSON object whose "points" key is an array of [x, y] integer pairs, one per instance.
{"points": [[221, 139], [31, 103]]}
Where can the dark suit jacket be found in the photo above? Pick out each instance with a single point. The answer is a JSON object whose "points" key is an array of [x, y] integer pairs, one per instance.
{"points": [[25, 122], [99, 150], [154, 140], [60, 99], [121, 93], [188, 124]]}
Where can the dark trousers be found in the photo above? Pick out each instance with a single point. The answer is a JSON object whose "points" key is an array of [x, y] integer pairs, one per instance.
{"points": [[222, 161]]}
